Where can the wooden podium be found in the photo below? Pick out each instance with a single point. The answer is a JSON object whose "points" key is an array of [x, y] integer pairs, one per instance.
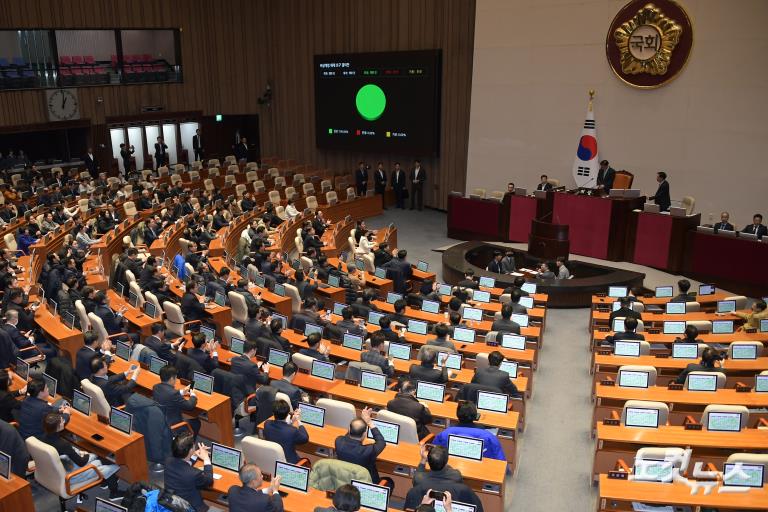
{"points": [[548, 241]]}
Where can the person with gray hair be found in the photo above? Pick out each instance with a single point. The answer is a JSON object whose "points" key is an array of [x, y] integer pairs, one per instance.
{"points": [[249, 496]]}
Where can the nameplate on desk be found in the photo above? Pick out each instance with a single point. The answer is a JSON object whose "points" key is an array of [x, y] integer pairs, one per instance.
{"points": [[304, 370], [662, 356], [750, 330], [693, 426], [351, 382], [614, 422], [605, 352], [653, 331], [740, 388], [607, 382], [603, 329], [674, 386], [618, 475], [492, 343]]}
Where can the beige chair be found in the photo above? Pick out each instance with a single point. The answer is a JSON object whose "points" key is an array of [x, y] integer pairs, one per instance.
{"points": [[644, 404], [293, 292], [83, 206], [308, 189], [325, 186], [284, 398], [251, 176], [213, 172], [128, 190], [692, 307], [85, 323], [262, 453], [10, 241], [280, 212], [230, 332], [214, 162], [209, 186], [302, 362], [479, 192], [701, 325], [408, 431], [146, 173], [174, 319], [197, 165], [178, 168], [50, 472], [306, 263], [351, 193], [751, 458], [741, 301], [555, 183], [274, 197], [251, 166], [688, 203], [331, 198], [233, 169], [298, 179], [175, 179], [240, 190], [259, 187], [239, 307], [652, 373], [134, 287], [290, 193], [97, 326], [152, 298], [713, 408], [280, 181], [163, 171], [481, 360], [720, 378], [737, 344], [337, 413], [497, 194], [230, 180], [312, 203], [130, 277], [230, 159], [637, 306], [299, 244], [99, 404], [274, 172]]}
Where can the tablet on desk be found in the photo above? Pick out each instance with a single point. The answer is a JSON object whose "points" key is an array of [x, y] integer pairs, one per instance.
{"points": [[209, 333], [633, 379], [103, 505], [726, 306], [481, 296], [487, 282], [121, 420], [465, 447], [430, 391], [81, 402], [373, 497], [674, 327], [641, 417], [724, 421], [444, 289], [202, 382], [400, 351], [393, 297], [743, 351], [226, 457], [510, 367], [237, 345], [430, 306], [123, 350], [464, 334], [494, 402], [338, 308], [617, 291], [374, 381], [473, 314], [278, 357], [743, 475], [675, 308], [698, 382], [626, 348], [513, 341], [292, 476], [352, 341], [389, 431], [663, 292], [22, 368], [722, 327], [374, 317], [417, 326], [156, 364], [685, 350], [322, 370], [312, 415], [380, 273], [449, 360]]}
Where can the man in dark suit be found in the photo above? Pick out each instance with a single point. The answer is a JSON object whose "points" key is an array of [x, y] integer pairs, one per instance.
{"points": [[348, 324], [724, 225], [683, 295], [401, 266], [157, 342], [125, 153], [382, 255], [250, 497], [204, 353], [399, 183], [182, 478], [285, 385], [173, 402], [90, 163], [34, 408], [495, 264], [440, 477], [662, 197], [605, 177], [161, 152], [630, 325], [241, 149], [405, 403], [113, 323], [757, 227], [493, 376], [315, 349], [504, 324], [418, 177], [426, 370], [625, 310], [191, 307], [117, 387], [254, 328], [287, 435], [197, 145], [377, 355], [514, 301], [468, 281], [380, 182], [385, 323], [361, 179], [86, 354], [350, 447], [544, 183], [252, 374]]}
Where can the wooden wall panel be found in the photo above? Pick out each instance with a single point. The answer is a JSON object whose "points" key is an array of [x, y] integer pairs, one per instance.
{"points": [[231, 48]]}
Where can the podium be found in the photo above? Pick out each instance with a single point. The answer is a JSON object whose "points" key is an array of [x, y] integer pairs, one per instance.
{"points": [[658, 239], [548, 241]]}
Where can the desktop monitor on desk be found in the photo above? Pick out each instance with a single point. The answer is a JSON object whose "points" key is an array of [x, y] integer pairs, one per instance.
{"points": [[739, 351], [526, 302], [352, 341], [618, 325], [423, 266], [449, 360], [312, 328], [641, 417], [464, 334], [724, 421], [520, 319], [675, 308], [338, 308], [226, 457], [494, 402], [513, 341], [278, 357], [744, 475], [761, 383], [664, 292], [529, 287], [481, 296], [510, 367], [726, 306], [123, 351], [707, 289], [430, 306], [374, 317], [722, 327], [373, 497], [150, 309], [626, 348], [444, 290], [399, 351], [473, 314], [417, 326], [393, 297]]}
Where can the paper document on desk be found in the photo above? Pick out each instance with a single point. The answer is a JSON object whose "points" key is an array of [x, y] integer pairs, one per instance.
{"points": [[642, 507]]}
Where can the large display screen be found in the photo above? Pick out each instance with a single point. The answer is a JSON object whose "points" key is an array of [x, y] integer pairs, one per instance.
{"points": [[383, 102]]}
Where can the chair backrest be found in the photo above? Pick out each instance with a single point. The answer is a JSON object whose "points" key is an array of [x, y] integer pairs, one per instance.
{"points": [[239, 307], [672, 454], [175, 179], [331, 197], [83, 205], [98, 327], [230, 180], [209, 184], [306, 263], [701, 325], [326, 185], [134, 287], [337, 413], [481, 360], [274, 197], [299, 243], [190, 269], [637, 306], [10, 240], [174, 319], [554, 182], [274, 172], [742, 410], [99, 404], [351, 193], [252, 166], [652, 373], [251, 176], [355, 367], [688, 203], [750, 458], [130, 208], [298, 178], [308, 188], [408, 431], [85, 323], [178, 168], [735, 344], [720, 378], [623, 180], [162, 171], [258, 186], [645, 404], [284, 398], [497, 194], [129, 276], [151, 297], [741, 301], [213, 172], [304, 362], [240, 190], [49, 470], [280, 212], [233, 168], [262, 453], [290, 192], [230, 159], [197, 165], [479, 192], [312, 203], [692, 307], [279, 181], [214, 162], [230, 331]]}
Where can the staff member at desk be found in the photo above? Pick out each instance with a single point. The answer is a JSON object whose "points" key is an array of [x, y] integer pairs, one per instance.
{"points": [[495, 264], [752, 319], [661, 197], [756, 228], [709, 358], [605, 177], [493, 376], [544, 183], [250, 496], [175, 401], [184, 480], [724, 225]]}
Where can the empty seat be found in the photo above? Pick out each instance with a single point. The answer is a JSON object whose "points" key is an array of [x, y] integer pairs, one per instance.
{"points": [[652, 373], [331, 197], [720, 378], [645, 404], [715, 408]]}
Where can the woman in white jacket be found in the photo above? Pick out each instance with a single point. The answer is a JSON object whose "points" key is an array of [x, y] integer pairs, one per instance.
{"points": [[366, 244]]}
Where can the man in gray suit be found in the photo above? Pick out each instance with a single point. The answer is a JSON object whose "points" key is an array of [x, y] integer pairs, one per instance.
{"points": [[493, 376]]}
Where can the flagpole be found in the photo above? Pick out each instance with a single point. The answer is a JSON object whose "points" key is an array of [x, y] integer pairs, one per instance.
{"points": [[591, 97]]}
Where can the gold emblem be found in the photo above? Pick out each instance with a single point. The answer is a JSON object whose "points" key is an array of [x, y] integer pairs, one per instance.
{"points": [[646, 41]]}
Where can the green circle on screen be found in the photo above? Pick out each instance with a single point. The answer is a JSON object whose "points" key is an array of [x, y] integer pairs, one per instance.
{"points": [[370, 102]]}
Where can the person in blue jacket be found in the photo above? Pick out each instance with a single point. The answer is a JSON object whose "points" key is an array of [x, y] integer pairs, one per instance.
{"points": [[467, 414]]}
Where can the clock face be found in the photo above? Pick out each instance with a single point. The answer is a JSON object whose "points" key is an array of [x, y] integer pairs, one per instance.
{"points": [[62, 105]]}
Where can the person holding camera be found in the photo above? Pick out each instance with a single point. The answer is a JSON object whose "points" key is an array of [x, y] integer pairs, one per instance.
{"points": [[709, 363], [440, 481]]}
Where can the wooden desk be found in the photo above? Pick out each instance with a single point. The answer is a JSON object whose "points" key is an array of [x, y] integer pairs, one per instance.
{"points": [[280, 304], [68, 340], [620, 442], [706, 301], [617, 495], [215, 409], [15, 495], [135, 316], [669, 339], [602, 317]]}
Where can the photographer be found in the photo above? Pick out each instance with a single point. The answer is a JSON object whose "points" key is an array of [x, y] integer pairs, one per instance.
{"points": [[709, 358]]}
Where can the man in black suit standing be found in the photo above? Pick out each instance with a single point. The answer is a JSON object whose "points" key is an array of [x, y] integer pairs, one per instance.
{"points": [[544, 183], [380, 182], [757, 227], [724, 225], [182, 478], [241, 149], [493, 376], [361, 179], [605, 177], [125, 154], [197, 145], [661, 197], [161, 152], [418, 177], [173, 402], [495, 264], [398, 181], [90, 163]]}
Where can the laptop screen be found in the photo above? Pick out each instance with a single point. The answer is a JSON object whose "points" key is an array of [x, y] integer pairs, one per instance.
{"points": [[81, 402], [390, 431], [724, 421], [400, 351], [463, 334], [380, 273], [371, 380], [278, 357], [374, 317], [103, 505], [663, 292], [674, 327], [430, 391], [617, 291], [310, 328], [698, 382], [722, 327], [465, 447], [685, 350], [726, 306], [50, 383], [203, 382], [496, 402], [510, 367], [292, 476], [333, 281], [529, 287], [121, 420], [444, 289], [513, 341], [743, 475], [526, 302], [352, 341], [481, 296], [633, 379], [521, 320], [156, 363], [487, 282], [393, 297], [675, 308], [423, 266], [22, 368], [225, 457], [279, 290], [372, 497], [450, 361], [322, 370], [627, 348], [283, 319], [707, 289], [474, 314], [236, 345], [338, 308], [261, 281], [312, 415], [430, 306], [743, 351], [417, 327], [641, 417], [123, 351], [208, 332]]}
